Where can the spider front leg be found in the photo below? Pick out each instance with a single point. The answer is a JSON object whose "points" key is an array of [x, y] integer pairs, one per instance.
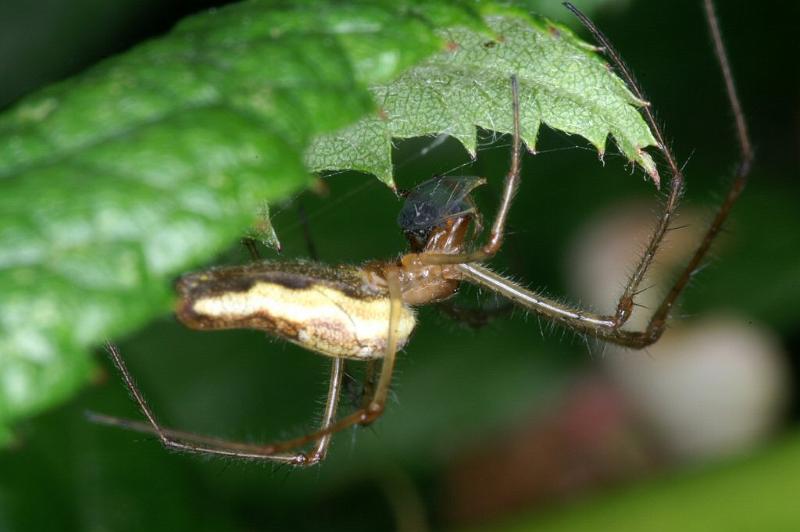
{"points": [[626, 303], [746, 154], [610, 327], [495, 241], [658, 321]]}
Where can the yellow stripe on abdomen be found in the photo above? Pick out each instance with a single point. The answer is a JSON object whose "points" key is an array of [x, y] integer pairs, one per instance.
{"points": [[316, 317]]}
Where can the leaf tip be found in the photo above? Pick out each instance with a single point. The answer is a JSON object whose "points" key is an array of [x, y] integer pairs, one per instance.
{"points": [[264, 232], [386, 177], [649, 166]]}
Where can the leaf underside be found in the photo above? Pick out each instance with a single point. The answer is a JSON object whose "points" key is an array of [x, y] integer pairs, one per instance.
{"points": [[562, 84]]}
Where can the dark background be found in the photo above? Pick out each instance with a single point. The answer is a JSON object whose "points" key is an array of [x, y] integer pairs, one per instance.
{"points": [[455, 387]]}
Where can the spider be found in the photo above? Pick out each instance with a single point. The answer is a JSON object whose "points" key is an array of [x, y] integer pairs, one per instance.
{"points": [[366, 312]]}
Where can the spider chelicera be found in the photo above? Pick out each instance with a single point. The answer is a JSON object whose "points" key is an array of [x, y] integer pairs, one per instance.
{"points": [[365, 312]]}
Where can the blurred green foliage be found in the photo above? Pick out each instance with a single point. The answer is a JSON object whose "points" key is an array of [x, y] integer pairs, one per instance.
{"points": [[453, 386]]}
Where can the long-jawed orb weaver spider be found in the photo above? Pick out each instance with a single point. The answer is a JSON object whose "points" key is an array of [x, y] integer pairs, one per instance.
{"points": [[365, 312]]}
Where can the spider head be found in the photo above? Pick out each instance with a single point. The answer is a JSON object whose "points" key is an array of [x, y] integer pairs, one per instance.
{"points": [[436, 213]]}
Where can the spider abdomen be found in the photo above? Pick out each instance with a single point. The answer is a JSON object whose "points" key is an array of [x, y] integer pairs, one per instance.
{"points": [[331, 310]]}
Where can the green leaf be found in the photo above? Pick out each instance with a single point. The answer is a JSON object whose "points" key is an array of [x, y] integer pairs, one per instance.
{"points": [[562, 81], [152, 162]]}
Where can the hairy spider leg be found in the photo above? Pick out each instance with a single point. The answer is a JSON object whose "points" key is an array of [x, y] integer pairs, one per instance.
{"points": [[372, 409], [746, 156], [608, 328], [201, 444], [368, 386], [276, 452], [338, 367], [510, 186]]}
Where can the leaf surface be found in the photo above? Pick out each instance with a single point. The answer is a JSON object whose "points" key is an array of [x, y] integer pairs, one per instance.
{"points": [[563, 84]]}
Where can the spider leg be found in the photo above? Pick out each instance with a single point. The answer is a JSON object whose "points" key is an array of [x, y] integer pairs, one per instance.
{"points": [[608, 328], [625, 304], [739, 179], [279, 451], [201, 444], [574, 318], [320, 449], [374, 407], [600, 326], [368, 390], [511, 183]]}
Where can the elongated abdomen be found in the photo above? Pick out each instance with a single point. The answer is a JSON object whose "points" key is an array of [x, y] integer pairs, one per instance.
{"points": [[332, 310]]}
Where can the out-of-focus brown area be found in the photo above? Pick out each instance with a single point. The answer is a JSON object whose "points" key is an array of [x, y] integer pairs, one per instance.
{"points": [[588, 440]]}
